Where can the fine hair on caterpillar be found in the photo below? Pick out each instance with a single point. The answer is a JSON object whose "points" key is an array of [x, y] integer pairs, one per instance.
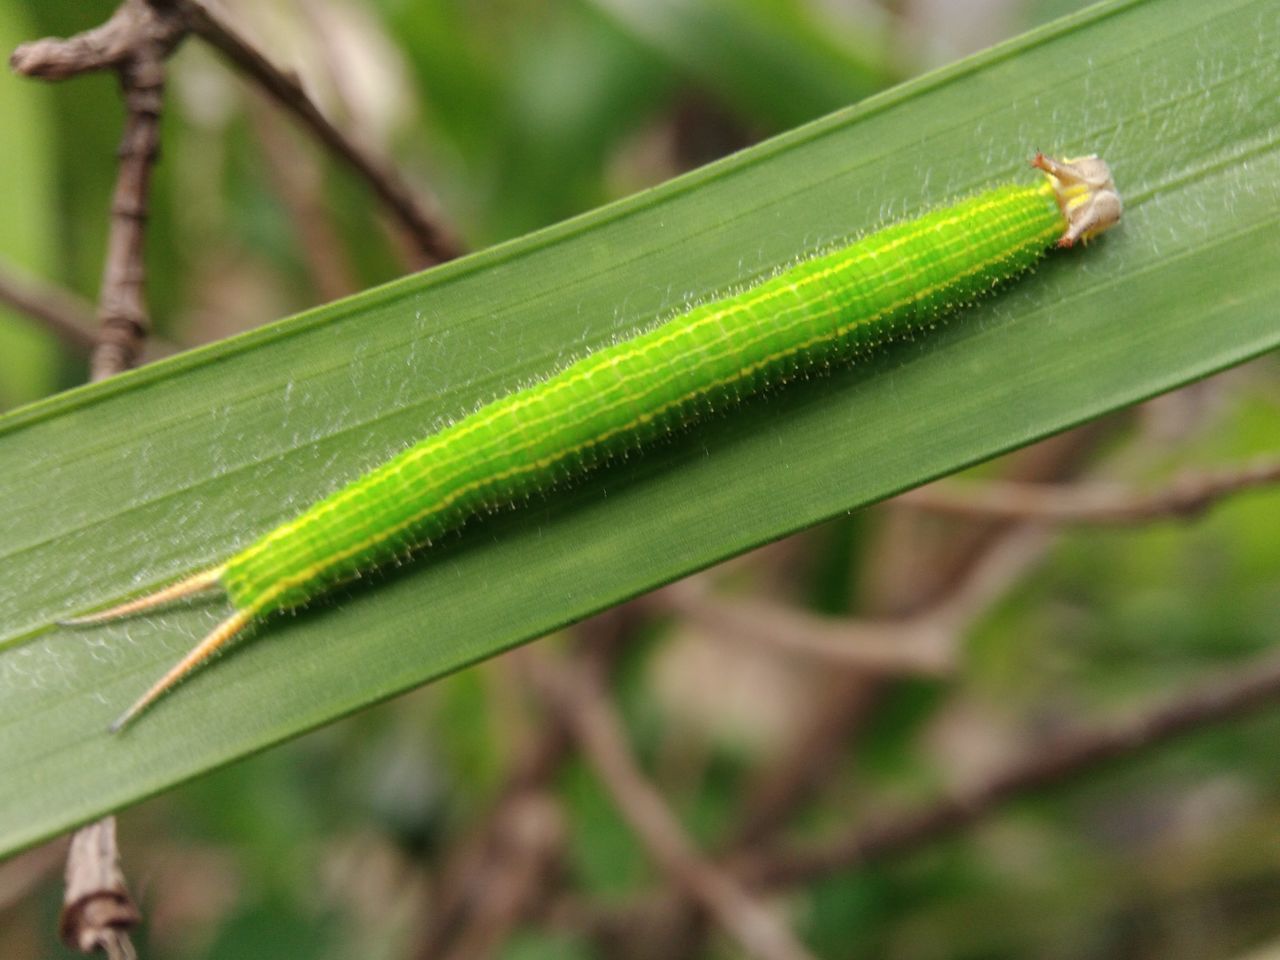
{"points": [[823, 311]]}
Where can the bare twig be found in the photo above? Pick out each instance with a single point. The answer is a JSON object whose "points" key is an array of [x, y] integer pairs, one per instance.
{"points": [[493, 878], [64, 314], [1189, 495], [295, 175], [883, 647], [1245, 690], [134, 42], [152, 29], [122, 307], [1067, 757], [68, 317], [926, 644], [942, 591], [583, 707], [940, 627], [109, 46], [524, 843], [946, 591], [432, 238], [97, 911], [499, 873]]}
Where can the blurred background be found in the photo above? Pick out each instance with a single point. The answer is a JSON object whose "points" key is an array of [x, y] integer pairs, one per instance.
{"points": [[459, 821]]}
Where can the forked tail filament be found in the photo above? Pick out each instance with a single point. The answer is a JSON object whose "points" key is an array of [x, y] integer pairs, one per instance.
{"points": [[196, 583], [222, 634]]}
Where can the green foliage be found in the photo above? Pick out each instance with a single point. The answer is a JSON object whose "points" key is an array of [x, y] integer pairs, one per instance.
{"points": [[109, 490], [26, 234], [225, 442]]}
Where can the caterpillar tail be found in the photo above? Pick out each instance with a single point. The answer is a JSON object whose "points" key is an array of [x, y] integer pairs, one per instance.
{"points": [[222, 634], [197, 583], [217, 638]]}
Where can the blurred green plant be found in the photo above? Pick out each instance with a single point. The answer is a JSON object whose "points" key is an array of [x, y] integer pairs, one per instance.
{"points": [[229, 440], [226, 442]]}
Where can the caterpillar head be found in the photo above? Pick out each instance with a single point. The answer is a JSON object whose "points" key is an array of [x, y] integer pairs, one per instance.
{"points": [[1085, 193]]}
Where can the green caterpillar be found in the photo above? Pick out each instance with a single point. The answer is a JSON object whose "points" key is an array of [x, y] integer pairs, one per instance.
{"points": [[825, 310]]}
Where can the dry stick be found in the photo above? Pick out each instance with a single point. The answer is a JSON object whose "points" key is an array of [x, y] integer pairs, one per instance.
{"points": [[295, 176], [64, 314], [993, 558], [583, 707], [105, 47], [134, 42], [1190, 494], [994, 571], [476, 905], [948, 590], [1067, 756], [122, 307], [523, 851], [167, 23], [923, 645], [889, 648], [97, 911], [431, 237]]}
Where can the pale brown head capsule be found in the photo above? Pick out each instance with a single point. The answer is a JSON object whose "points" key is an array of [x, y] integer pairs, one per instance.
{"points": [[1086, 195]]}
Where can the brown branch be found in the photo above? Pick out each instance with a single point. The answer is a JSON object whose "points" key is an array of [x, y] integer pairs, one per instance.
{"points": [[97, 911], [582, 706], [522, 847], [295, 176], [1066, 757], [886, 647], [134, 42], [433, 240], [926, 644], [946, 588], [493, 878], [108, 46], [943, 625], [499, 874], [63, 314], [1189, 495], [152, 29], [938, 589], [122, 307]]}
